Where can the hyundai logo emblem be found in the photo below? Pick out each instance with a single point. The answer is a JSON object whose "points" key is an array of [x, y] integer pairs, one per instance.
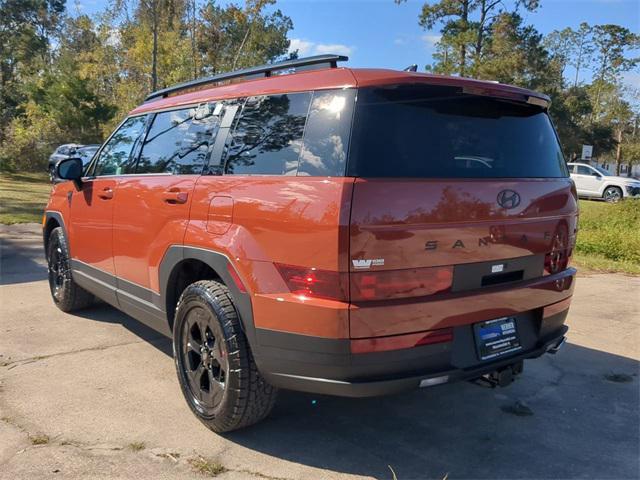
{"points": [[508, 199]]}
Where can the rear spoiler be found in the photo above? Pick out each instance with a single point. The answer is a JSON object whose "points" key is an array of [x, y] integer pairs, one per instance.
{"points": [[519, 96]]}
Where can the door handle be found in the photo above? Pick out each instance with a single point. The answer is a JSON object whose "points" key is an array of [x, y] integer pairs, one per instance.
{"points": [[106, 193], [175, 197]]}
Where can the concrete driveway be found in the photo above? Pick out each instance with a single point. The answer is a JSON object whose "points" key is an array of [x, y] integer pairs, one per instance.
{"points": [[95, 395]]}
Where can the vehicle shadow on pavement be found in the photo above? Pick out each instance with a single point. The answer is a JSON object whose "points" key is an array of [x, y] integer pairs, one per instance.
{"points": [[573, 415], [102, 312]]}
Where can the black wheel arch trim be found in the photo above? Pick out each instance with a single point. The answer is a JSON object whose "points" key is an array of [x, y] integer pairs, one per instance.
{"points": [[220, 264], [52, 215]]}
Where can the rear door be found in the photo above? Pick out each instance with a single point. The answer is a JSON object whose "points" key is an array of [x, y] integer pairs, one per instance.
{"points": [[454, 192], [153, 202]]}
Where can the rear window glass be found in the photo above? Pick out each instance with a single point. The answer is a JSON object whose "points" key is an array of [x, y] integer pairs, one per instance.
{"points": [[439, 132]]}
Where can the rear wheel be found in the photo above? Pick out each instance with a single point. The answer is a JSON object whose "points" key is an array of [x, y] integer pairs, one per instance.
{"points": [[66, 294], [612, 194], [217, 373]]}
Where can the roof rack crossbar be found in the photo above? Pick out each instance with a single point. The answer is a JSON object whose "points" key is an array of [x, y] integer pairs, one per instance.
{"points": [[267, 70]]}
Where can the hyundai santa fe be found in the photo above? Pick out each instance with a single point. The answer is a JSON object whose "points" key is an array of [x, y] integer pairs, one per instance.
{"points": [[302, 226]]}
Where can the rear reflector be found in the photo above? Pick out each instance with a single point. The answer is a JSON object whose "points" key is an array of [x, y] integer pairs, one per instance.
{"points": [[236, 278], [390, 284], [399, 342], [311, 282]]}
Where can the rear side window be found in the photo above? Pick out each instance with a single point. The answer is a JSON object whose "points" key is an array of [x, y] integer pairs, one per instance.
{"points": [[114, 157], [326, 136], [178, 141], [439, 132], [267, 139]]}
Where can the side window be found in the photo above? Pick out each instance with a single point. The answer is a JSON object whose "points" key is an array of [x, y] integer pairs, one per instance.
{"points": [[326, 136], [114, 157], [582, 170], [178, 141], [267, 138]]}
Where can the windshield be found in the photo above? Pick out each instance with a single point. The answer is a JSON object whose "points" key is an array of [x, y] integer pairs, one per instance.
{"points": [[439, 132], [604, 172]]}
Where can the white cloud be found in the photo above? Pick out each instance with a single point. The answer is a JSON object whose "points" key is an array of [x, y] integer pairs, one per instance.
{"points": [[400, 41], [337, 48], [306, 47], [431, 40], [302, 46]]}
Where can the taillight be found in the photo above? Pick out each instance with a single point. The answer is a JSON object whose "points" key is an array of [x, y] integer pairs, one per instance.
{"points": [[312, 282], [390, 284], [558, 258]]}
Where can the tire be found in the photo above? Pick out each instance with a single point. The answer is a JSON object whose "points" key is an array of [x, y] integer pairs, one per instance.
{"points": [[612, 194], [66, 294], [218, 376]]}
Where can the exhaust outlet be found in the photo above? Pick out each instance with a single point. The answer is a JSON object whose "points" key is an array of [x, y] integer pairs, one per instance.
{"points": [[556, 348]]}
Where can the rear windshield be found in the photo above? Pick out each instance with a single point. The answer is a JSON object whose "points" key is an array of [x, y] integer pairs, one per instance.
{"points": [[439, 132]]}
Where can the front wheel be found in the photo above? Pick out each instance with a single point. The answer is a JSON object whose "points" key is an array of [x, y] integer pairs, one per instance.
{"points": [[612, 194], [67, 295], [217, 373]]}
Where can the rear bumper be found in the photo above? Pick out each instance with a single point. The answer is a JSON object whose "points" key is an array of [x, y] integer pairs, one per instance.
{"points": [[327, 366], [372, 388]]}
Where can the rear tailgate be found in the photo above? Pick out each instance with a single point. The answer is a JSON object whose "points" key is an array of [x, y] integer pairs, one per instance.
{"points": [[459, 201]]}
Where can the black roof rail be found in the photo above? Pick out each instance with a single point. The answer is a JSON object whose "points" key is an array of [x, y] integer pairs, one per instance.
{"points": [[266, 70]]}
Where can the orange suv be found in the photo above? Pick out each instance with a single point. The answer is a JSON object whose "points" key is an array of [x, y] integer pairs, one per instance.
{"points": [[341, 231]]}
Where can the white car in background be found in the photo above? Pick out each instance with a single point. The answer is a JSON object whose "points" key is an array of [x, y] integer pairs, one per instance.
{"points": [[596, 182]]}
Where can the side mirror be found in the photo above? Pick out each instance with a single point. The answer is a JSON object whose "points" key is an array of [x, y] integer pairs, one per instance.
{"points": [[70, 169]]}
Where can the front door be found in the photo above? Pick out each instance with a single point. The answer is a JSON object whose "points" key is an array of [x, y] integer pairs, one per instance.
{"points": [[91, 211], [588, 180]]}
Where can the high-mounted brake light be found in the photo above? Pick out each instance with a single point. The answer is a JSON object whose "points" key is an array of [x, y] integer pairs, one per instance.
{"points": [[390, 284], [312, 282]]}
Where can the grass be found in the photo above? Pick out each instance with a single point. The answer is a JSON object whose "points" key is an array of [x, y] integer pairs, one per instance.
{"points": [[39, 439], [609, 237], [205, 466], [23, 197], [137, 446]]}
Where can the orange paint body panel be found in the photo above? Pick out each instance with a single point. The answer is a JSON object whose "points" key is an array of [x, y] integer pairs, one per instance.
{"points": [[149, 217], [293, 220]]}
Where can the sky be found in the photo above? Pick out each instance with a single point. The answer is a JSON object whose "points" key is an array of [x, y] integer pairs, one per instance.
{"points": [[380, 33]]}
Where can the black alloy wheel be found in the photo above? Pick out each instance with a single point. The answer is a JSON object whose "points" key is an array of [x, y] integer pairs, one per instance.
{"points": [[204, 358]]}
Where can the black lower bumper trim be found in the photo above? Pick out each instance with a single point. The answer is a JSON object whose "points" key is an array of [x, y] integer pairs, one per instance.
{"points": [[389, 386]]}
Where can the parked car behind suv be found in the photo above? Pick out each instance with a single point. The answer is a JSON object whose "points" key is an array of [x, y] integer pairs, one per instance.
{"points": [[596, 182], [69, 150], [342, 231]]}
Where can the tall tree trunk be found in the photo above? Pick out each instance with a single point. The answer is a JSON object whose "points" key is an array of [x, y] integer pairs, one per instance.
{"points": [[619, 151], [154, 56], [194, 59], [463, 47], [244, 40], [578, 62]]}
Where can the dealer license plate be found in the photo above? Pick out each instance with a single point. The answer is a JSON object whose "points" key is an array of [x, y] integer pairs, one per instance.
{"points": [[495, 338]]}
